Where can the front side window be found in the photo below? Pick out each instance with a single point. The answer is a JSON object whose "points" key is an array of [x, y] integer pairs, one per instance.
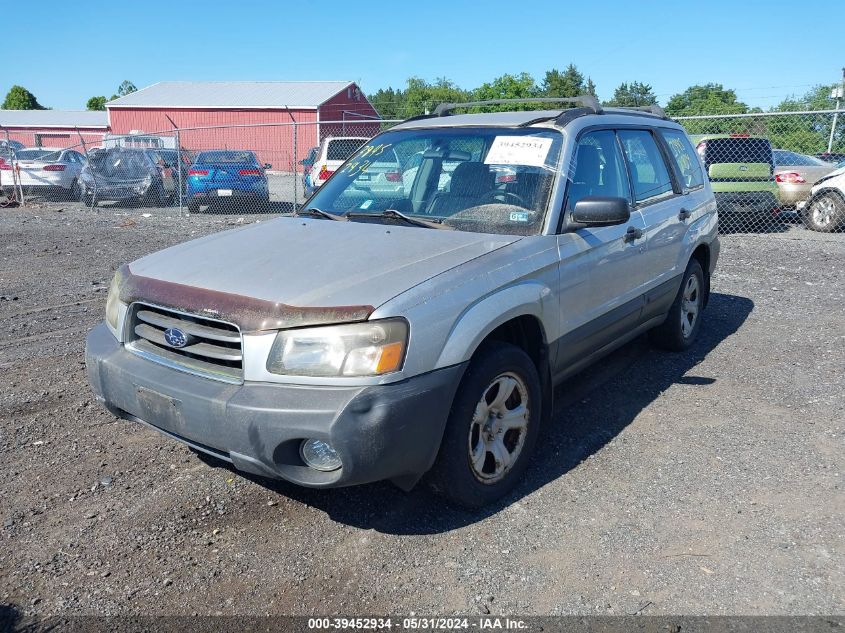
{"points": [[649, 174], [598, 169], [686, 160], [482, 179]]}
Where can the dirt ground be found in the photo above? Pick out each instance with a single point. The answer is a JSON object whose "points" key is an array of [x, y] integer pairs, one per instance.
{"points": [[709, 482]]}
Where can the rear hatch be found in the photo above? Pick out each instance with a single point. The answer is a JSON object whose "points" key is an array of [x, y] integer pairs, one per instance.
{"points": [[225, 175], [338, 151], [744, 161]]}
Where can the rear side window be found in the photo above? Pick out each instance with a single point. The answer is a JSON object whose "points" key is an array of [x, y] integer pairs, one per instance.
{"points": [[599, 169], [343, 148], [649, 174], [686, 160], [736, 150]]}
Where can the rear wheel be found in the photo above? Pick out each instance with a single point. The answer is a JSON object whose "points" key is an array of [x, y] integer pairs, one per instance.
{"points": [[155, 197], [86, 198], [825, 214], [679, 330], [492, 428]]}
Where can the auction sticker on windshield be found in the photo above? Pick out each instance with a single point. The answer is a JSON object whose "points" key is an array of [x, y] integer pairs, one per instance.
{"points": [[518, 150]]}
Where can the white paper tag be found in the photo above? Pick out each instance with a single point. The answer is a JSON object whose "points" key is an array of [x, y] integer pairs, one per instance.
{"points": [[518, 150]]}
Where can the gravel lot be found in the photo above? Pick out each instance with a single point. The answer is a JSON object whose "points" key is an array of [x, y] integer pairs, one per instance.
{"points": [[703, 483]]}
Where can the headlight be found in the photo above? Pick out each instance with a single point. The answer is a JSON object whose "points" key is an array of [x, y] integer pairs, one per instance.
{"points": [[356, 349], [113, 304]]}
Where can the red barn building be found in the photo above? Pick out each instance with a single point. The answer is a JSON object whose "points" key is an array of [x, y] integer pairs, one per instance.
{"points": [[54, 128], [249, 115]]}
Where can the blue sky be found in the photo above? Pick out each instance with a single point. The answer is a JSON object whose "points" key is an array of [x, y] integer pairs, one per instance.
{"points": [[764, 50]]}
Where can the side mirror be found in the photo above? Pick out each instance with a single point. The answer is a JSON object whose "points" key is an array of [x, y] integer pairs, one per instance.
{"points": [[268, 166], [601, 211]]}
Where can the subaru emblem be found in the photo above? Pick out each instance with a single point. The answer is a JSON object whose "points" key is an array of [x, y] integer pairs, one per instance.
{"points": [[175, 337]]}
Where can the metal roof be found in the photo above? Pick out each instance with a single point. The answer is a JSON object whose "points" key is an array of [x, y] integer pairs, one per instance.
{"points": [[232, 94], [54, 118]]}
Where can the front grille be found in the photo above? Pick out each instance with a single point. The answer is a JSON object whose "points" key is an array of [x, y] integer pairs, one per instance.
{"points": [[213, 348]]}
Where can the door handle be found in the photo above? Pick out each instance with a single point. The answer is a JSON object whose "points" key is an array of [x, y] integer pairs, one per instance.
{"points": [[633, 233], [684, 214]]}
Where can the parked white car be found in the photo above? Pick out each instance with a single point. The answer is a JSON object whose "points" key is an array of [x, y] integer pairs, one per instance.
{"points": [[333, 152], [46, 168], [825, 210]]}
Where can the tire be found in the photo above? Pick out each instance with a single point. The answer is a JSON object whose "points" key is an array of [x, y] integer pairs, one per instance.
{"points": [[467, 470], [193, 207], [87, 199], [825, 213], [678, 332], [154, 197], [74, 190]]}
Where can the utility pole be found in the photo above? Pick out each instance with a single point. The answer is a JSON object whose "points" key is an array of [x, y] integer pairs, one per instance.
{"points": [[836, 93]]}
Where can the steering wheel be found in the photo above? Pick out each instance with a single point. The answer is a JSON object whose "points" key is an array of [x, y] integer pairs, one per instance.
{"points": [[501, 196]]}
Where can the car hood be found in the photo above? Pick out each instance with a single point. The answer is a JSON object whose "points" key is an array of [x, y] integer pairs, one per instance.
{"points": [[314, 264], [833, 174]]}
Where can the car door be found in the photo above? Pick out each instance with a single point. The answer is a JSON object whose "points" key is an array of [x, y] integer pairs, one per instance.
{"points": [[610, 303], [658, 198]]}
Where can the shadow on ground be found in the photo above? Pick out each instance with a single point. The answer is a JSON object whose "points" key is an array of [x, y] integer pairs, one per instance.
{"points": [[9, 618], [578, 430]]}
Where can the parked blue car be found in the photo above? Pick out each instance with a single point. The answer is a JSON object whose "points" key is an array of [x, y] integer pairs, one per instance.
{"points": [[220, 175]]}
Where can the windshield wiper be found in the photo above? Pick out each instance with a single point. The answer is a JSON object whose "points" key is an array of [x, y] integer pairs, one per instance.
{"points": [[393, 214], [319, 213]]}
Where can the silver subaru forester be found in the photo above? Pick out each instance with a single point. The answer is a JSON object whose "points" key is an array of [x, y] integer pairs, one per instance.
{"points": [[419, 330]]}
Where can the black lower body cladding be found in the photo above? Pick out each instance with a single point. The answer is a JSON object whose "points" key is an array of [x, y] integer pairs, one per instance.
{"points": [[380, 432]]}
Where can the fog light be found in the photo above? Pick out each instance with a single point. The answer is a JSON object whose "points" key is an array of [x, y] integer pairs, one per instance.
{"points": [[319, 455]]}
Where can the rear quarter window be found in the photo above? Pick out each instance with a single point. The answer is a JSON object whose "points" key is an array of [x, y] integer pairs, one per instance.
{"points": [[685, 159], [343, 148]]}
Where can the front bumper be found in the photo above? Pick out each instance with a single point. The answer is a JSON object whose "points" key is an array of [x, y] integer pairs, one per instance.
{"points": [[116, 192], [380, 432]]}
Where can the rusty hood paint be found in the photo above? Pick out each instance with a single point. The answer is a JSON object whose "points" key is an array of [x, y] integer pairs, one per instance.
{"points": [[292, 272]]}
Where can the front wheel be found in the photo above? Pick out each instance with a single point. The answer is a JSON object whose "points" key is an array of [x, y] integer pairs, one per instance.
{"points": [[492, 428], [825, 214], [679, 330]]}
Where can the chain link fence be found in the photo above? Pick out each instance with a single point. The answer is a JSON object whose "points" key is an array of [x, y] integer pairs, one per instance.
{"points": [[771, 172]]}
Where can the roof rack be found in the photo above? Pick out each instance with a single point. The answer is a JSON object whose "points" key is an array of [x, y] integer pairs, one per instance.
{"points": [[651, 109], [586, 101]]}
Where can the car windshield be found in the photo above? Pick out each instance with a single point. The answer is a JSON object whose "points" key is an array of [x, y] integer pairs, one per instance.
{"points": [[37, 154], [120, 164], [737, 150], [226, 157], [483, 179]]}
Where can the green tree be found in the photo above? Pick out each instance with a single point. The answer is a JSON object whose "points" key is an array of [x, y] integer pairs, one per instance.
{"points": [[389, 103], [569, 83], [507, 86], [421, 97], [96, 103], [19, 98], [707, 99], [806, 133], [126, 87], [632, 95]]}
